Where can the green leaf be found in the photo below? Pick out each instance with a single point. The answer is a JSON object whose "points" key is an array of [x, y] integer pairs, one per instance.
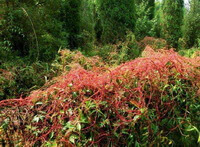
{"points": [[51, 144], [54, 144], [5, 124], [51, 135], [78, 126], [69, 125], [39, 103], [62, 111], [143, 110], [154, 128], [74, 94], [83, 118], [137, 144], [28, 127], [136, 117], [72, 138], [36, 119]]}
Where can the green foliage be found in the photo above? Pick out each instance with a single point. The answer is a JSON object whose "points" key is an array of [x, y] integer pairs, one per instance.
{"points": [[120, 52], [193, 52], [71, 18], [94, 101], [19, 79], [192, 24], [157, 19], [172, 21], [7, 87], [144, 24], [74, 59], [87, 26], [150, 6], [39, 36], [117, 17]]}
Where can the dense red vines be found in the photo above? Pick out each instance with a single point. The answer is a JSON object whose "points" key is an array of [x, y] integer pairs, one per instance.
{"points": [[126, 92]]}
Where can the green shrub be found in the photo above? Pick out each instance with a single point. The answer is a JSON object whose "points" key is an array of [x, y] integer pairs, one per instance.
{"points": [[190, 52], [21, 79], [73, 59], [7, 85], [121, 51], [155, 43]]}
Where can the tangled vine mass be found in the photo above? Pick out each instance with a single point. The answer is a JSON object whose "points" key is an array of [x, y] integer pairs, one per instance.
{"points": [[150, 100]]}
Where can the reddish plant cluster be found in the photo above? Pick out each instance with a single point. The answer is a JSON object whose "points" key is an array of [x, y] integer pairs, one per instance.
{"points": [[90, 107], [71, 60], [155, 43]]}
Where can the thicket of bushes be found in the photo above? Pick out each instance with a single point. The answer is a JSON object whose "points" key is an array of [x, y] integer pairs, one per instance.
{"points": [[105, 99], [149, 101], [19, 80]]}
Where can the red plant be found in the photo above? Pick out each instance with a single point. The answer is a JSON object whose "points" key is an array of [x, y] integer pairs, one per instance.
{"points": [[123, 94]]}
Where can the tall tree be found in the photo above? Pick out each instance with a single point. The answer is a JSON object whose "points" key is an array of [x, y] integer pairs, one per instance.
{"points": [[117, 17], [157, 17], [172, 20], [72, 19], [144, 25], [192, 24], [150, 6], [87, 25]]}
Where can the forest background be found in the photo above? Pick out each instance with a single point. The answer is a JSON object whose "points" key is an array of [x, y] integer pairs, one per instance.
{"points": [[43, 39]]}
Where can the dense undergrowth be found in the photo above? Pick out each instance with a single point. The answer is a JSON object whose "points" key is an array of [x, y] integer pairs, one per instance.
{"points": [[106, 90], [19, 76], [153, 100]]}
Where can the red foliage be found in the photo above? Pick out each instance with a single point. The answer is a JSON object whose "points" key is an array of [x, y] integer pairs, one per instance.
{"points": [[138, 83]]}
